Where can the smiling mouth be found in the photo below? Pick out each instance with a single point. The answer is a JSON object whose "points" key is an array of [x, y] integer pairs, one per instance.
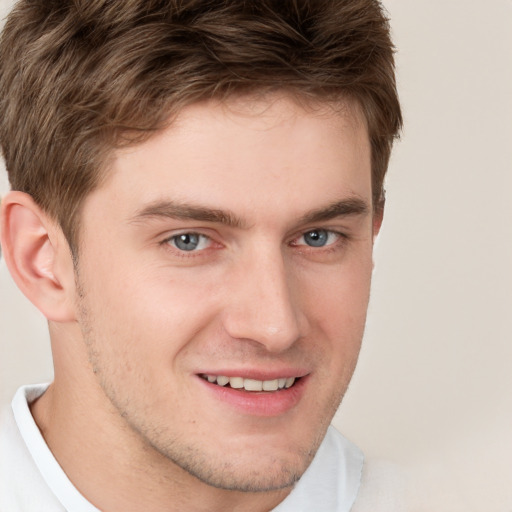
{"points": [[250, 384]]}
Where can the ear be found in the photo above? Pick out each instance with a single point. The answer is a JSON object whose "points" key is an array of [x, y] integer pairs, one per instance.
{"points": [[378, 217], [37, 256]]}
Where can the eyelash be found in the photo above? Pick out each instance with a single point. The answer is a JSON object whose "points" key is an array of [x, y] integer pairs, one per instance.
{"points": [[340, 239], [339, 236], [183, 253]]}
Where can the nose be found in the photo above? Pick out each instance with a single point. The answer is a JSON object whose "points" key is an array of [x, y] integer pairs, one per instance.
{"points": [[263, 303]]}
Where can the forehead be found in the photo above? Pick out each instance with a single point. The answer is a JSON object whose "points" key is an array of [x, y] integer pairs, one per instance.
{"points": [[252, 154]]}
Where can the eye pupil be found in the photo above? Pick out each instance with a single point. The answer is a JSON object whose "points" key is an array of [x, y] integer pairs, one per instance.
{"points": [[186, 241], [316, 238]]}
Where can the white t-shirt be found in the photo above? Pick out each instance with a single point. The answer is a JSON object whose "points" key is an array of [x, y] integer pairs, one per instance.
{"points": [[31, 479]]}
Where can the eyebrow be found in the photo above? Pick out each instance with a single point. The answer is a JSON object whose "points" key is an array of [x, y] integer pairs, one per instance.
{"points": [[352, 206], [185, 211]]}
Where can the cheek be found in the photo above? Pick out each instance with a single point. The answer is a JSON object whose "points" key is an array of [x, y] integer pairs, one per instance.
{"points": [[339, 297], [337, 315], [137, 331], [147, 313]]}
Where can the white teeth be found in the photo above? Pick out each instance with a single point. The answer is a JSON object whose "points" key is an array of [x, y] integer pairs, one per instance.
{"points": [[251, 384], [236, 382], [289, 382], [222, 381], [270, 385]]}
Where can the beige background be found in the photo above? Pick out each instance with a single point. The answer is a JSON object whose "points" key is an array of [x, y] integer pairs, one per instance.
{"points": [[433, 390]]}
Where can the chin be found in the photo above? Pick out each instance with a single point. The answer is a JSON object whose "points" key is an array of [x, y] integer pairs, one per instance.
{"points": [[243, 469], [256, 478]]}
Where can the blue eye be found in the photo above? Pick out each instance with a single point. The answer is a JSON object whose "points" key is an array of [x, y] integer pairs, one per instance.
{"points": [[318, 238], [189, 241]]}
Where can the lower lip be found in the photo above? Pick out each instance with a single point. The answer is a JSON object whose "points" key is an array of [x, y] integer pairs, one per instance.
{"points": [[264, 403]]}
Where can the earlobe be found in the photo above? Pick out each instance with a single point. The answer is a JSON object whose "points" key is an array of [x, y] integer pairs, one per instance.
{"points": [[33, 248]]}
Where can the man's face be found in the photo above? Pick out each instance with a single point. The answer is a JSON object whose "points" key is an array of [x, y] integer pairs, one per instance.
{"points": [[234, 246]]}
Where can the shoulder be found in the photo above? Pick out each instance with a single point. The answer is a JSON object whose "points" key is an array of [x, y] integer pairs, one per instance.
{"points": [[22, 488], [383, 488], [340, 480]]}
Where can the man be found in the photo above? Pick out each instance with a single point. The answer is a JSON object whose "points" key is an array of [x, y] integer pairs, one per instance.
{"points": [[196, 190]]}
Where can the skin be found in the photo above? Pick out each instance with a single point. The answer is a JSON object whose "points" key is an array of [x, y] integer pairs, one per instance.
{"points": [[137, 320]]}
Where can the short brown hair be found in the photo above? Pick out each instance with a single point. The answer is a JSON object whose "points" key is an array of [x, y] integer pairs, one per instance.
{"points": [[79, 78]]}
